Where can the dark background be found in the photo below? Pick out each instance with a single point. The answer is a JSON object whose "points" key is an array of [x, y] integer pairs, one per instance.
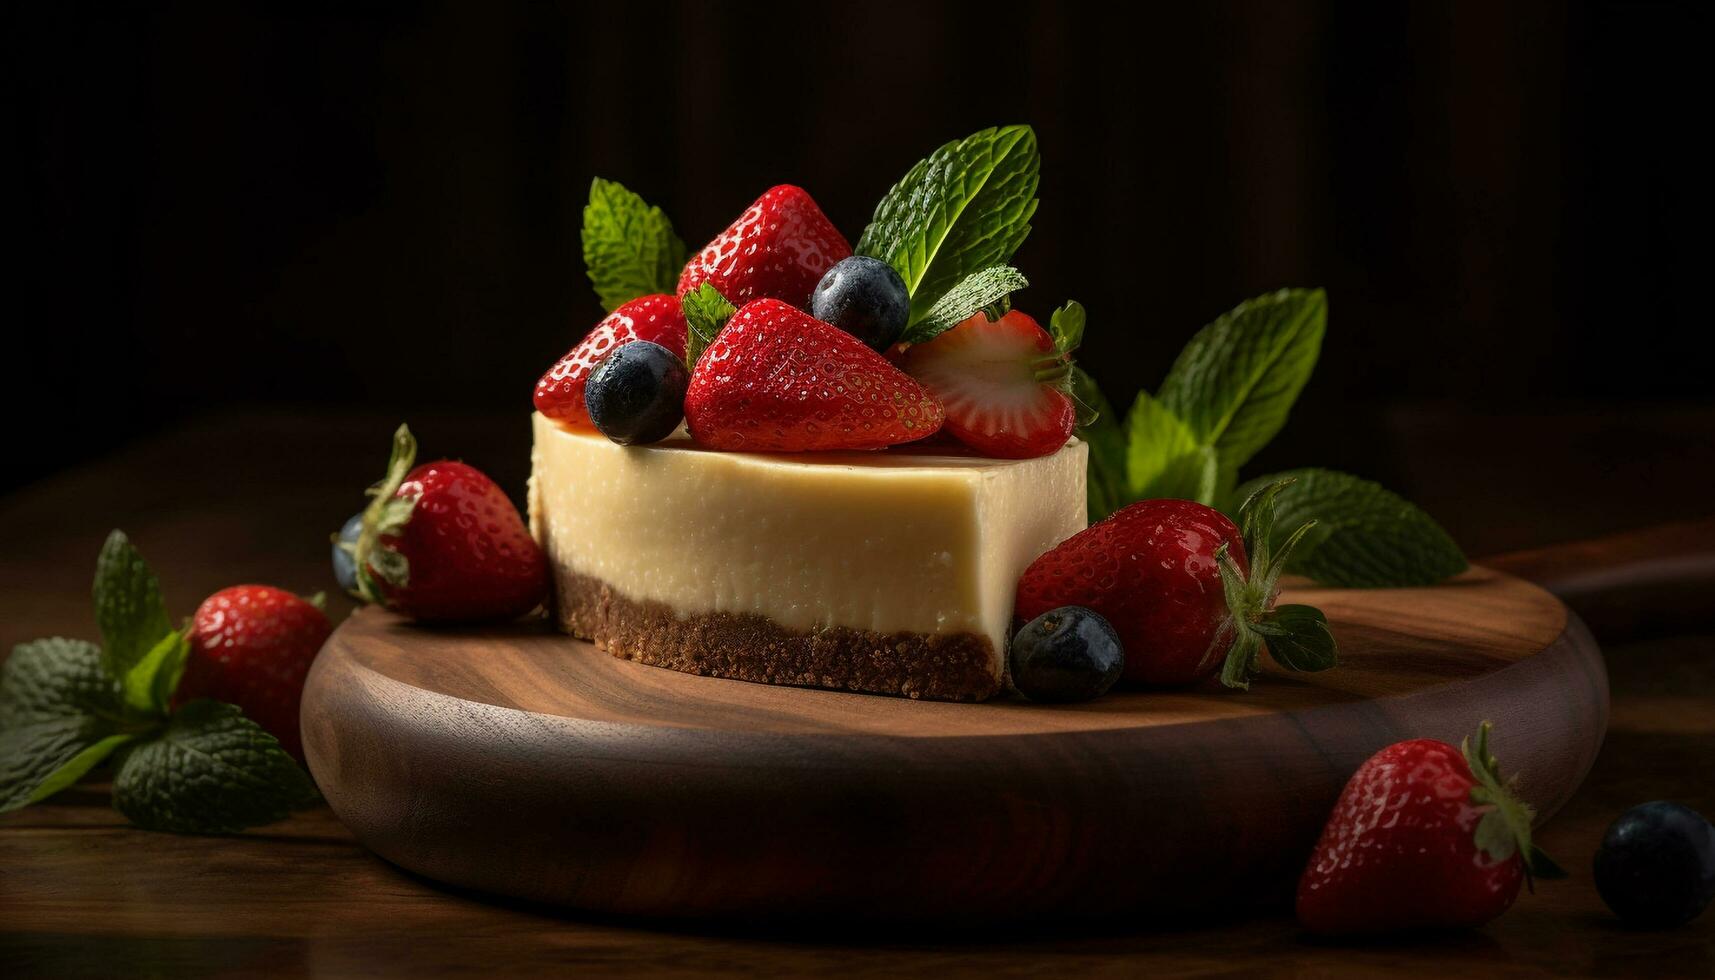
{"points": [[376, 209]]}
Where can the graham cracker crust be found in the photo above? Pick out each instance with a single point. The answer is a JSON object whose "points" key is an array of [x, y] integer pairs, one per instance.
{"points": [[748, 647]]}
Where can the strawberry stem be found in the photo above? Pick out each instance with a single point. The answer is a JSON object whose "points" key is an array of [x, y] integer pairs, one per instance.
{"points": [[1297, 636], [385, 515], [1504, 829]]}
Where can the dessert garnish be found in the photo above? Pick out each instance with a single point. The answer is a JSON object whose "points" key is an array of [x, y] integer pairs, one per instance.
{"points": [[656, 318], [779, 248], [864, 297], [1065, 654], [778, 380], [1424, 836], [1174, 579], [1004, 382], [637, 393], [181, 763], [441, 542]]}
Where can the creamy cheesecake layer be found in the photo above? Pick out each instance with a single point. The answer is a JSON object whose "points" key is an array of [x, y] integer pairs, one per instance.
{"points": [[879, 543]]}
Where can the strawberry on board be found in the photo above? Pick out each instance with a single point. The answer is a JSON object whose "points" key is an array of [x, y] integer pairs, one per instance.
{"points": [[779, 248], [1424, 836], [1172, 577], [1004, 383], [776, 379], [560, 392], [441, 542], [252, 645]]}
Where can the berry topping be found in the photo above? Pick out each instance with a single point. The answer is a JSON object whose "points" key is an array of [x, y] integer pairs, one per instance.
{"points": [[865, 298], [252, 645], [1065, 654], [1002, 384], [442, 543], [560, 392], [779, 380], [1173, 579], [1423, 836], [637, 395], [1656, 865], [777, 249]]}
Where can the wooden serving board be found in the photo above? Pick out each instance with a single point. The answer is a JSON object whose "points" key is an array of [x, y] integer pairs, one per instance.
{"points": [[522, 763]]}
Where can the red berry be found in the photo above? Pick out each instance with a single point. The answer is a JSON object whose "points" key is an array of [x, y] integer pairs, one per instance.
{"points": [[778, 380], [777, 249], [987, 375], [252, 645], [469, 556], [1401, 851], [1151, 570], [560, 392]]}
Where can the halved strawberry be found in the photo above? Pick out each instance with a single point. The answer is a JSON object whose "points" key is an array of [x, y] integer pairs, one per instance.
{"points": [[779, 247], [779, 380], [560, 392], [1002, 383]]}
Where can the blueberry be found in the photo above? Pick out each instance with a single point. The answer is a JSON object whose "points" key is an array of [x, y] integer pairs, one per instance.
{"points": [[865, 298], [637, 394], [344, 568], [1656, 865], [1066, 654]]}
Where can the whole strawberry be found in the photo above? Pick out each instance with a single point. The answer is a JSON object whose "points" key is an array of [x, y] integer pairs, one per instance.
{"points": [[442, 543], [1424, 836], [778, 248], [560, 392], [778, 380], [1172, 578], [252, 645], [1002, 382]]}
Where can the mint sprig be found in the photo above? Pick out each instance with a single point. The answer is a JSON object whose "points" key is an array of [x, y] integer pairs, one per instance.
{"points": [[630, 249], [981, 291], [67, 705], [210, 771], [1237, 378], [1228, 393], [1366, 535], [706, 312], [963, 209]]}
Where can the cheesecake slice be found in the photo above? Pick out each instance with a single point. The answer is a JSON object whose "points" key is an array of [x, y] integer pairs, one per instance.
{"points": [[887, 572]]}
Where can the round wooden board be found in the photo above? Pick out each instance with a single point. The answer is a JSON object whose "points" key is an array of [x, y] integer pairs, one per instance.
{"points": [[519, 762]]}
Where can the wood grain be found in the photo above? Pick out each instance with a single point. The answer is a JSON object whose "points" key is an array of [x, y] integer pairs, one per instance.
{"points": [[522, 763]]}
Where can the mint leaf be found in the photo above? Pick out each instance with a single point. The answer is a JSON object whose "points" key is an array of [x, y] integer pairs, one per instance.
{"points": [[1236, 380], [53, 678], [1366, 536], [629, 247], [149, 685], [212, 771], [60, 714], [1066, 326], [1105, 482], [706, 312], [128, 605], [975, 293], [1165, 459], [966, 207]]}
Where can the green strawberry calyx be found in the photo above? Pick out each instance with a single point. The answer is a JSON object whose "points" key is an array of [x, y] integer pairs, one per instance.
{"points": [[1504, 829], [385, 517], [1297, 636]]}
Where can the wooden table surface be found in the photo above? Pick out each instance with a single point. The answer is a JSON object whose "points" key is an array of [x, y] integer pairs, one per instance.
{"points": [[251, 499]]}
